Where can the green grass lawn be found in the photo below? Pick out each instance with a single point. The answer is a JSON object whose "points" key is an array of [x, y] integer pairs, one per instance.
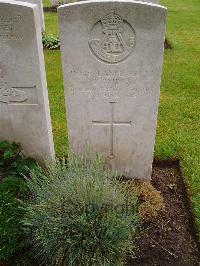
{"points": [[51, 22], [46, 3], [178, 132]]}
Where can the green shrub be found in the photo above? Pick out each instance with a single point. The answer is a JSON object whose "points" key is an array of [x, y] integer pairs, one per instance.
{"points": [[80, 214], [50, 42], [13, 164]]}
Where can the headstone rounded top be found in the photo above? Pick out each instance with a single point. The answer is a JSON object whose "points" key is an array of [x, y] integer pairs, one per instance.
{"points": [[19, 3], [142, 2], [27, 4]]}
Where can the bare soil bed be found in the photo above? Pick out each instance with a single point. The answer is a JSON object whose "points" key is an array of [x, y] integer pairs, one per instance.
{"points": [[170, 239]]}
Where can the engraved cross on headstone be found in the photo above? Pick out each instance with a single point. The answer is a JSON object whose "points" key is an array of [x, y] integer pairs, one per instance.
{"points": [[111, 124]]}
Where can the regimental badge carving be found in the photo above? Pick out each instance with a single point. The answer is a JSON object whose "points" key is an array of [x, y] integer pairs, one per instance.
{"points": [[11, 95], [112, 39]]}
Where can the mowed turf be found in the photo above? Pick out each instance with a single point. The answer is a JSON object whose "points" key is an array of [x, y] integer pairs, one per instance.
{"points": [[178, 131], [51, 22]]}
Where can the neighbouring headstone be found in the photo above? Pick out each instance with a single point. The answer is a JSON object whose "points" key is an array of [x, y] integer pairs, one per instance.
{"points": [[149, 1], [40, 6], [24, 107], [54, 3], [112, 53]]}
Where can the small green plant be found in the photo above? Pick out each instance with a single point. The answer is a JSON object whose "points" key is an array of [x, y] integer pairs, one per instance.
{"points": [[12, 161], [13, 164], [80, 214], [50, 42]]}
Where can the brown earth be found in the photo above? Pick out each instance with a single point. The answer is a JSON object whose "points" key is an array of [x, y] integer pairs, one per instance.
{"points": [[171, 238], [50, 9], [167, 44]]}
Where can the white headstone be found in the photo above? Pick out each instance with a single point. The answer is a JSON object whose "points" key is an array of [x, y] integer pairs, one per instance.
{"points": [[149, 1], [54, 2], [61, 2], [40, 6], [24, 107], [112, 53]]}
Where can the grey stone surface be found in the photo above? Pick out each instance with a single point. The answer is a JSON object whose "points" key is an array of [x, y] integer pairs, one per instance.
{"points": [[62, 2], [24, 107], [54, 2], [112, 53], [149, 1], [40, 6]]}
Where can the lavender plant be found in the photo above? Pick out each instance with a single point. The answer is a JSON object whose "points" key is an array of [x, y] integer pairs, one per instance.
{"points": [[80, 214]]}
